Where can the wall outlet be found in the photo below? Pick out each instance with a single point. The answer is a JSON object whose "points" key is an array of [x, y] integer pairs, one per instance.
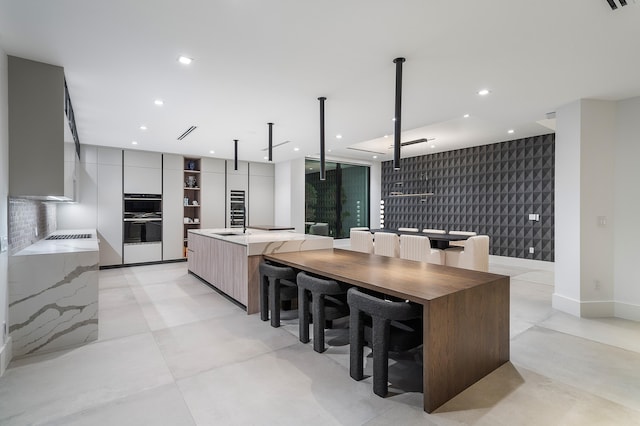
{"points": [[532, 250], [534, 216]]}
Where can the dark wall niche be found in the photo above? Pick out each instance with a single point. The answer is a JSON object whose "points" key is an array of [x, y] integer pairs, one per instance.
{"points": [[489, 189]]}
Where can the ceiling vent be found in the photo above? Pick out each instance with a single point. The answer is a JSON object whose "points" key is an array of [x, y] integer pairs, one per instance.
{"points": [[187, 132], [413, 142], [366, 150], [613, 4], [277, 145]]}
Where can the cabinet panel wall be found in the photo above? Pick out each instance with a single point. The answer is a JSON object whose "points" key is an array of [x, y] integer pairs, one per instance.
{"points": [[261, 194], [172, 221], [109, 201], [142, 172]]}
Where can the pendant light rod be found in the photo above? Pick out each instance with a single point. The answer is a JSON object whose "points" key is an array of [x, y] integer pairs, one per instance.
{"points": [[322, 159], [235, 156], [270, 141], [398, 114]]}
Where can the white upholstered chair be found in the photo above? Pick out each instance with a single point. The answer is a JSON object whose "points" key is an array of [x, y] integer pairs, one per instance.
{"points": [[408, 229], [359, 228], [474, 255], [416, 247], [387, 244], [460, 243], [434, 231], [361, 241]]}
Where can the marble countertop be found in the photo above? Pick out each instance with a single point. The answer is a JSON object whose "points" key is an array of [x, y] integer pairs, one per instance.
{"points": [[263, 242], [45, 246]]}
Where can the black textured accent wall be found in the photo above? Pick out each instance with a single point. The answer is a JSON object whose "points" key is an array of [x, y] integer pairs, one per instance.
{"points": [[489, 189]]}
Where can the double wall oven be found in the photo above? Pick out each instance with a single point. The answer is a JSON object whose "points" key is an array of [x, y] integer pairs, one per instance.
{"points": [[142, 218]]}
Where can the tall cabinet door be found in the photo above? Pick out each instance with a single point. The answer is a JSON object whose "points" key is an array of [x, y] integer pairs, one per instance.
{"points": [[172, 221], [261, 194], [213, 193], [109, 205], [237, 181], [142, 172]]}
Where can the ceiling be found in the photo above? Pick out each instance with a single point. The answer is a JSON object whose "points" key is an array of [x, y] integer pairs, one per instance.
{"points": [[259, 61]]}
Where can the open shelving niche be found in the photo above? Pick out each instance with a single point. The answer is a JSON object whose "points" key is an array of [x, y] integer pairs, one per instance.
{"points": [[191, 198]]}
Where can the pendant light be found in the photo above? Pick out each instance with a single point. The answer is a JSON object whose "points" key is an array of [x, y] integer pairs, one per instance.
{"points": [[270, 141], [322, 160], [235, 157], [398, 115]]}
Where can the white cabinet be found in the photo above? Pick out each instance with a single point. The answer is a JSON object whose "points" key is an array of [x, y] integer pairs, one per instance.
{"points": [[109, 188], [213, 193], [261, 194], [172, 221], [142, 172], [37, 132]]}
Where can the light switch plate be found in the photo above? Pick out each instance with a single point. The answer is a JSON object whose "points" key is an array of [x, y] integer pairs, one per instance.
{"points": [[4, 244]]}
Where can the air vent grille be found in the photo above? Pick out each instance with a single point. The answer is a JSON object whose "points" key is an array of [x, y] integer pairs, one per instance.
{"points": [[613, 4], [187, 132]]}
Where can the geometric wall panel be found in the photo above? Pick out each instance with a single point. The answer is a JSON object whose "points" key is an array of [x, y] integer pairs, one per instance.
{"points": [[489, 189]]}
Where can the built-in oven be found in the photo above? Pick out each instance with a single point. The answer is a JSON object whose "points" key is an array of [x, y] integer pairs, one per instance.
{"points": [[142, 218]]}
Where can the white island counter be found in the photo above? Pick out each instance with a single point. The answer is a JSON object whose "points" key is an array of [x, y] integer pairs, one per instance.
{"points": [[228, 259]]}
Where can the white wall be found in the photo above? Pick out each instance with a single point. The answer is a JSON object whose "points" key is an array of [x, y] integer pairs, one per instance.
{"points": [[5, 349], [597, 199], [627, 206], [289, 194], [566, 295], [375, 194], [84, 213]]}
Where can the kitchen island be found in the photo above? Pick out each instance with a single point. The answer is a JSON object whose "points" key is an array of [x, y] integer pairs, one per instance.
{"points": [[228, 259], [53, 293]]}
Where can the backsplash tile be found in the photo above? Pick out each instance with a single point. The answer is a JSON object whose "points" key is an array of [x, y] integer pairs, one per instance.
{"points": [[24, 217]]}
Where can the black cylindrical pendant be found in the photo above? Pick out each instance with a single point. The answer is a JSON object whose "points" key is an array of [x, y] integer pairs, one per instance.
{"points": [[398, 114], [235, 156], [322, 160], [270, 141]]}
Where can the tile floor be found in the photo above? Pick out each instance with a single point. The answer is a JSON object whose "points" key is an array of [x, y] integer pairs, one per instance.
{"points": [[174, 352]]}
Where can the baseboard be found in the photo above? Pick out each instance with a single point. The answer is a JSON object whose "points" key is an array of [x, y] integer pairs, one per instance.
{"points": [[597, 309], [565, 304], [523, 263], [627, 311], [5, 355]]}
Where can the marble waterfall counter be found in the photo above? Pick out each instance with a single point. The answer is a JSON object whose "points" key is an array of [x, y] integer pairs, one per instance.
{"points": [[53, 293], [228, 259]]}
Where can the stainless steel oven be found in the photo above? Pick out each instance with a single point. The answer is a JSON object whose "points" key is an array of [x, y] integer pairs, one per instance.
{"points": [[142, 221]]}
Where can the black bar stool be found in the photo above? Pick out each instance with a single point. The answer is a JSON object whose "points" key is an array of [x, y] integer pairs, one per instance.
{"points": [[326, 306], [276, 283], [386, 326]]}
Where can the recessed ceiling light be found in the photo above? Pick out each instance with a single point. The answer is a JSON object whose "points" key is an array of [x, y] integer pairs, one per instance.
{"points": [[328, 150], [338, 136], [386, 136], [212, 152], [375, 156], [134, 143], [393, 119], [483, 92], [510, 131], [466, 116], [433, 146], [143, 127], [184, 60], [158, 102], [265, 157], [296, 149]]}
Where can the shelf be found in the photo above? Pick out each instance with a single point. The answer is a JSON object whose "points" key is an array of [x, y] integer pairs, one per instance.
{"points": [[197, 188], [425, 194], [191, 205], [191, 171]]}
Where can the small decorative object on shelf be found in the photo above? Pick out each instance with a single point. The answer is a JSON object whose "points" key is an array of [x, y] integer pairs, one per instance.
{"points": [[191, 182], [186, 201], [191, 165]]}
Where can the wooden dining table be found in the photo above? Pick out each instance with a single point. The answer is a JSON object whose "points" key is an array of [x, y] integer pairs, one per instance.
{"points": [[465, 312]]}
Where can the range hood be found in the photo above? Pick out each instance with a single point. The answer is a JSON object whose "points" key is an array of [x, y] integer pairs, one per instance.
{"points": [[41, 165]]}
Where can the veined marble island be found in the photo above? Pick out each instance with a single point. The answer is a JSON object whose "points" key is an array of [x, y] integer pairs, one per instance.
{"points": [[228, 259], [53, 293]]}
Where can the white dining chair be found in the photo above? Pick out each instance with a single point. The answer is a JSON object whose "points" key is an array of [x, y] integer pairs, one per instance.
{"points": [[474, 255], [359, 228], [417, 247], [460, 243], [386, 244], [361, 241], [408, 229], [434, 231]]}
